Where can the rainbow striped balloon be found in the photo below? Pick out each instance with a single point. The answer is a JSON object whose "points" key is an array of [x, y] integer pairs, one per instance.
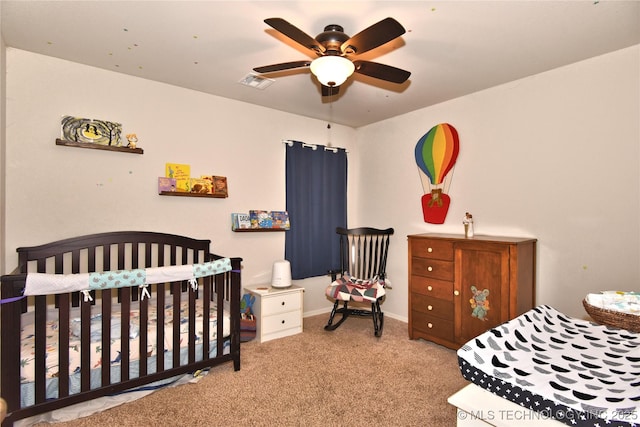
{"points": [[437, 151]]}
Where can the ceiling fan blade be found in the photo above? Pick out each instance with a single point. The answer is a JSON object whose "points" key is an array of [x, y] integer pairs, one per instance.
{"points": [[282, 67], [330, 90], [381, 71], [295, 34], [374, 36]]}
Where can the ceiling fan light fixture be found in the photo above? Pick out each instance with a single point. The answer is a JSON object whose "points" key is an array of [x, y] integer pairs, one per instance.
{"points": [[332, 70]]}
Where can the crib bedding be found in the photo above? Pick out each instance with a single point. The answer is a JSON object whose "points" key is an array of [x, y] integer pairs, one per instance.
{"points": [[27, 389], [575, 371], [52, 327]]}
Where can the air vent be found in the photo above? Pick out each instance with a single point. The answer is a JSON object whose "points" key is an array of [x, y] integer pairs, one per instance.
{"points": [[256, 81]]}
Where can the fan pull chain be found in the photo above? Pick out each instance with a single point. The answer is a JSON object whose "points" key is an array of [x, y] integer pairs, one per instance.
{"points": [[329, 123]]}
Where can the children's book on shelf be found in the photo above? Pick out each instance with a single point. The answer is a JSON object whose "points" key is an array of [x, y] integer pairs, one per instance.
{"points": [[240, 221], [260, 219], [181, 173], [200, 185], [166, 184], [280, 219], [220, 185]]}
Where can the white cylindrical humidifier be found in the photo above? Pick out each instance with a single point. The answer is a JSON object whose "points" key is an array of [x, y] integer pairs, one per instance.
{"points": [[281, 274]]}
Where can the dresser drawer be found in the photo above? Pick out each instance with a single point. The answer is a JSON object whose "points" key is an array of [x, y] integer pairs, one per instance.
{"points": [[280, 322], [434, 288], [434, 268], [433, 249], [281, 303], [432, 306], [432, 325]]}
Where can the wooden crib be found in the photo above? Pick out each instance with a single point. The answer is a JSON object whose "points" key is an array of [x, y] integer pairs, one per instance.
{"points": [[112, 321]]}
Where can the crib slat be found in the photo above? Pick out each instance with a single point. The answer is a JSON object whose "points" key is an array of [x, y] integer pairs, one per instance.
{"points": [[85, 346], [75, 262], [134, 255], [220, 294], [106, 257], [142, 335], [160, 327], [120, 256], [206, 310], [191, 338], [125, 307], [91, 258], [173, 255], [176, 323], [134, 263], [106, 338], [40, 347], [63, 346], [148, 248]]}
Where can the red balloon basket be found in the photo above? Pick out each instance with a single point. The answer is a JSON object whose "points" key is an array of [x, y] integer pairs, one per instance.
{"points": [[435, 206]]}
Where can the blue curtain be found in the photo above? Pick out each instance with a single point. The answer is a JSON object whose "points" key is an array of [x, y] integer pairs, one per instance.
{"points": [[316, 182]]}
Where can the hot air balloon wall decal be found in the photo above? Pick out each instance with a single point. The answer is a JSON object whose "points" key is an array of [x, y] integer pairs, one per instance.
{"points": [[436, 154]]}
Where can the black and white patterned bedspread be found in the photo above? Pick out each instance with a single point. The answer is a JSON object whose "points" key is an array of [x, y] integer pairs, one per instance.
{"points": [[575, 371]]}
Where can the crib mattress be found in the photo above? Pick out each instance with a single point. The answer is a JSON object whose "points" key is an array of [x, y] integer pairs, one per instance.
{"points": [[52, 327], [572, 370]]}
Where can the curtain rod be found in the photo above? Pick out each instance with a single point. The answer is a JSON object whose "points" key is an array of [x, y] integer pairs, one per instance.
{"points": [[290, 142]]}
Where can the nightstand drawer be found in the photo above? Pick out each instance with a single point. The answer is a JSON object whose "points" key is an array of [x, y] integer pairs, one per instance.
{"points": [[433, 268], [281, 303], [280, 322], [434, 249]]}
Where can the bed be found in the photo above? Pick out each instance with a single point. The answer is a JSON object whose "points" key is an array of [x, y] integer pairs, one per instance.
{"points": [[101, 315], [546, 368]]}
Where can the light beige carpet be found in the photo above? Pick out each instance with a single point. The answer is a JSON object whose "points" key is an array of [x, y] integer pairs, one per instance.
{"points": [[346, 377]]}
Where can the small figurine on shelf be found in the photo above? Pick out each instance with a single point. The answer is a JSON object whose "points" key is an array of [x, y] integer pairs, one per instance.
{"points": [[133, 140], [468, 225]]}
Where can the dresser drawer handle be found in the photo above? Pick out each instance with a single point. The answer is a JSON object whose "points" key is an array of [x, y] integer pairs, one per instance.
{"points": [[283, 322], [429, 288], [429, 250], [430, 325], [456, 293], [429, 268], [282, 303], [429, 307]]}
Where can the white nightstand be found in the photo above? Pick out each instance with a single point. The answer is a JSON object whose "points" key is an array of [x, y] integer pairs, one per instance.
{"points": [[278, 311]]}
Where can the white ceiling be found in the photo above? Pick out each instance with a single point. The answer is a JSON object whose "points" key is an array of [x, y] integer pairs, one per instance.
{"points": [[452, 48]]}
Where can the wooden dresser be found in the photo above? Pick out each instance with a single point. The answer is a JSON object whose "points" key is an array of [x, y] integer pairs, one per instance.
{"points": [[459, 288]]}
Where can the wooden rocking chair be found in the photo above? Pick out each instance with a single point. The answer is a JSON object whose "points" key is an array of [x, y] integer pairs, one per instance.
{"points": [[362, 275]]}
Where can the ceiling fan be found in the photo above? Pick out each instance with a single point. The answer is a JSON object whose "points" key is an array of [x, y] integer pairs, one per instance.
{"points": [[335, 49]]}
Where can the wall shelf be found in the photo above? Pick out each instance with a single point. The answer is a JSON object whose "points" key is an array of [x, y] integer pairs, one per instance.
{"points": [[99, 147], [185, 194]]}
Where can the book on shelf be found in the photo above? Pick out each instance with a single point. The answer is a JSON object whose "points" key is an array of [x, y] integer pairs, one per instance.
{"points": [[200, 185], [218, 184], [166, 184], [260, 219], [181, 173], [240, 221], [280, 219]]}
